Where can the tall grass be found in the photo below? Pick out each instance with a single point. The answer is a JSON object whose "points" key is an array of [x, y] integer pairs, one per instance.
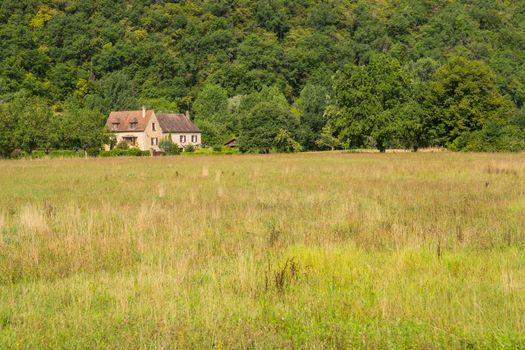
{"points": [[311, 250]]}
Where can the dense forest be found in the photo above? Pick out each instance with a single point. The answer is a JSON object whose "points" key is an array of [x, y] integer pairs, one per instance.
{"points": [[279, 74]]}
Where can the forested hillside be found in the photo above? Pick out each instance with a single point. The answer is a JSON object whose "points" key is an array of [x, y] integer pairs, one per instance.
{"points": [[280, 74]]}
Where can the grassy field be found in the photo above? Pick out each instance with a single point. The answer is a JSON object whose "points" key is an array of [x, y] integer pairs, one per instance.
{"points": [[282, 251]]}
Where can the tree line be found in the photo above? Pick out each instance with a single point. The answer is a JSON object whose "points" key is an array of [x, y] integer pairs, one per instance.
{"points": [[279, 75], [381, 105]]}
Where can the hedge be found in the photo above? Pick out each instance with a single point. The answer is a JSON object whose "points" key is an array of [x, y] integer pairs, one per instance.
{"points": [[132, 152]]}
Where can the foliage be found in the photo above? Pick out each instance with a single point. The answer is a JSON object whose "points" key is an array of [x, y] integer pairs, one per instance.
{"points": [[327, 139], [212, 115], [284, 142], [212, 151], [168, 147], [200, 55], [411, 127], [189, 149], [464, 98], [132, 152], [160, 104], [123, 145], [213, 132], [311, 105], [495, 136], [262, 124], [78, 128], [368, 102], [27, 123]]}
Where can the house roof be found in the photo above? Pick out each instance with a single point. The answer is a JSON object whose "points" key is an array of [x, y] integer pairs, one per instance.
{"points": [[176, 123], [125, 118]]}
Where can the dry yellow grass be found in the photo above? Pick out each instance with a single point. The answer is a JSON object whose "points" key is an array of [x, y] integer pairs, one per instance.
{"points": [[326, 250]]}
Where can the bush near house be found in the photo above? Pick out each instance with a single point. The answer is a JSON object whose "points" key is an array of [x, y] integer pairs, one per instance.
{"points": [[132, 152], [168, 147], [189, 149]]}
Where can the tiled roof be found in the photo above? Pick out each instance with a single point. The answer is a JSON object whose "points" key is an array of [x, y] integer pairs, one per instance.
{"points": [[176, 123], [125, 118]]}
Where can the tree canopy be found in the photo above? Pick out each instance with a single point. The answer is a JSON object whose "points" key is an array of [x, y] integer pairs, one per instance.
{"points": [[389, 73]]}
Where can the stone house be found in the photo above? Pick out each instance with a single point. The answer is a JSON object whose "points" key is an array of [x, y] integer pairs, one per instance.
{"points": [[181, 129], [145, 129]]}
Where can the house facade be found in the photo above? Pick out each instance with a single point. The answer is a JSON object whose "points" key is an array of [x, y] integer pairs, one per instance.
{"points": [[145, 129], [181, 129]]}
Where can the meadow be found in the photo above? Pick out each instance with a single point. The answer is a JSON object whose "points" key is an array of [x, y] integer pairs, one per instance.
{"points": [[327, 250]]}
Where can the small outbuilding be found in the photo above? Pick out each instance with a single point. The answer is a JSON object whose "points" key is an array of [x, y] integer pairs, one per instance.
{"points": [[232, 143]]}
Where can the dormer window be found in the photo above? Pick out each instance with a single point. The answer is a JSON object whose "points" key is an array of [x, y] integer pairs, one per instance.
{"points": [[115, 124], [133, 123]]}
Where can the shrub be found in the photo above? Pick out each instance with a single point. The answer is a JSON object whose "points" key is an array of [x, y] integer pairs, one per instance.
{"points": [[168, 147], [93, 152], [17, 154], [122, 145], [38, 154], [112, 153], [217, 148], [132, 152], [189, 149], [66, 153], [495, 136]]}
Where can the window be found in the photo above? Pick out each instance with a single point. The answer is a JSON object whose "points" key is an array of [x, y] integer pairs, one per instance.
{"points": [[133, 125], [132, 141], [182, 138], [153, 127], [194, 138], [115, 126], [154, 141]]}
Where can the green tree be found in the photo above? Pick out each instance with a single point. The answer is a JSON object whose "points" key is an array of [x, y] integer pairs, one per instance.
{"points": [[211, 103], [327, 139], [284, 142], [311, 105], [8, 126], [464, 96], [32, 129], [115, 92], [212, 115], [78, 128], [412, 129], [261, 126], [368, 101], [160, 104]]}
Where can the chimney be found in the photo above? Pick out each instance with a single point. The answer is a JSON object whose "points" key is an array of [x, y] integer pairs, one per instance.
{"points": [[188, 114], [143, 112]]}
